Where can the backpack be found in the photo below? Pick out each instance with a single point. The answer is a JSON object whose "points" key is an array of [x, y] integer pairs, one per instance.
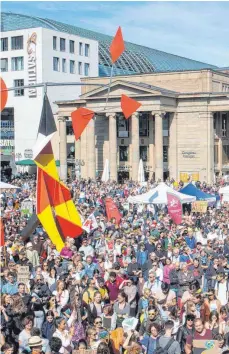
{"points": [[160, 350]]}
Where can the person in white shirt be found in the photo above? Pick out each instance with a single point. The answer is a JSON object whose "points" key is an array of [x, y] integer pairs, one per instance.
{"points": [[221, 289], [65, 335], [87, 249]]}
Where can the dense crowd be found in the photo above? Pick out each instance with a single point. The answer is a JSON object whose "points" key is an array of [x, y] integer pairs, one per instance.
{"points": [[145, 285]]}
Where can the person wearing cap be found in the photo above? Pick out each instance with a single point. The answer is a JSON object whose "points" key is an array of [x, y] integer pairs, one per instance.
{"points": [[32, 255], [35, 344]]}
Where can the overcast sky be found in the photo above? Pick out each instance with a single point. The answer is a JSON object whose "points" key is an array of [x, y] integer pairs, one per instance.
{"points": [[196, 30]]}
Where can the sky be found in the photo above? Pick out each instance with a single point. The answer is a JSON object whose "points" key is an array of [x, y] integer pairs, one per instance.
{"points": [[196, 30]]}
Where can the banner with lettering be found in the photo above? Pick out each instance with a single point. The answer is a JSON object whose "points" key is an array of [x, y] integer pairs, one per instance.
{"points": [[199, 206], [174, 208]]}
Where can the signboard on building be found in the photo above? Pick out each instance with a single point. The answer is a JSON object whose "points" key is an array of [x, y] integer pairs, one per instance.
{"points": [[32, 64], [28, 154], [199, 206]]}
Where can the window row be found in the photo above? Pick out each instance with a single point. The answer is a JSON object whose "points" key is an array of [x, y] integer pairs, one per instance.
{"points": [[17, 64], [72, 66], [83, 49], [16, 43], [143, 152]]}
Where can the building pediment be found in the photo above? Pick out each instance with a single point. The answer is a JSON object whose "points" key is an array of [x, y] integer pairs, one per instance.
{"points": [[119, 87]]}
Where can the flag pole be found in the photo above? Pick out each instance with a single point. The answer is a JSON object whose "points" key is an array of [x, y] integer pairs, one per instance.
{"points": [[109, 87]]}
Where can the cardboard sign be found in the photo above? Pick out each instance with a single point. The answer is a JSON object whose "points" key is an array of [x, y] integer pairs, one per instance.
{"points": [[129, 324], [27, 207], [23, 275], [199, 206], [205, 346], [84, 351]]}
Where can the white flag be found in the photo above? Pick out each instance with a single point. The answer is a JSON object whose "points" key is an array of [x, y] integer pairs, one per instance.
{"points": [[90, 223]]}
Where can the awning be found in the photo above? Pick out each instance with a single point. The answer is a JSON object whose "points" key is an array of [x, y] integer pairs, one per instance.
{"points": [[29, 162]]}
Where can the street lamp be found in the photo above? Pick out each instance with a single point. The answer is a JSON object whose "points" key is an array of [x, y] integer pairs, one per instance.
{"points": [[78, 164]]}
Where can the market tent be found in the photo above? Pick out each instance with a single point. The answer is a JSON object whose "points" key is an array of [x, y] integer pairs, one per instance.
{"points": [[190, 189], [224, 190], [29, 162], [4, 185], [158, 195]]}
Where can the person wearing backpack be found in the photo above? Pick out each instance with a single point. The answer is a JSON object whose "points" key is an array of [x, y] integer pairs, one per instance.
{"points": [[165, 343]]}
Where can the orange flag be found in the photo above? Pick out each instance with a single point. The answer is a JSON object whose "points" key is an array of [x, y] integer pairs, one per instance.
{"points": [[80, 119], [129, 106], [4, 94], [117, 46]]}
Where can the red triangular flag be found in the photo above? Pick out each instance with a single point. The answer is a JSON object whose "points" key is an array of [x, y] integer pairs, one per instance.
{"points": [[80, 119], [2, 238], [68, 229], [4, 94], [117, 46], [129, 106]]}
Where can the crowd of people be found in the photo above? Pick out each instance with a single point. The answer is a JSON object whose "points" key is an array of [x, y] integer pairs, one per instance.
{"points": [[145, 285]]}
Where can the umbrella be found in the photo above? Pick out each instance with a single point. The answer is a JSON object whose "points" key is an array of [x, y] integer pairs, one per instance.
{"points": [[4, 185], [141, 173], [106, 172]]}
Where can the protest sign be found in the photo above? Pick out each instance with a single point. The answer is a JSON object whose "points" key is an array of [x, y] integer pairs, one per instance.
{"points": [[129, 324], [27, 207], [199, 206], [205, 346], [23, 274], [84, 351]]}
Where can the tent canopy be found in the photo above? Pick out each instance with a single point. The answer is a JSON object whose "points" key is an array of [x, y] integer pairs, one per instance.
{"points": [[4, 185], [29, 162], [158, 195], [190, 189], [224, 190]]}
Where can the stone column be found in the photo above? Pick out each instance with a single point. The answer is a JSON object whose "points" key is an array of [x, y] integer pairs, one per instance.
{"points": [[220, 150], [151, 145], [159, 145], [135, 145], [78, 157], [63, 148], [210, 165], [112, 146], [173, 154], [91, 149]]}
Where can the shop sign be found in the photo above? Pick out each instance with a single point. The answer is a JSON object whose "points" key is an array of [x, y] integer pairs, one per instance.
{"points": [[28, 154], [32, 65], [6, 142], [188, 154]]}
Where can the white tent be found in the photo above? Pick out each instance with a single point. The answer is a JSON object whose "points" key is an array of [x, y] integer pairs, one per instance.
{"points": [[141, 173], [224, 190], [106, 172], [4, 185], [158, 195]]}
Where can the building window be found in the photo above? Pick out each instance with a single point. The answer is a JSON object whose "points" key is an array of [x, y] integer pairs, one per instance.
{"points": [[62, 44], [144, 124], [56, 64], [54, 43], [4, 44], [225, 154], [216, 154], [86, 69], [122, 127], [123, 153], [19, 83], [72, 46], [4, 65], [17, 42], [80, 48], [71, 152], [72, 66], [143, 150], [165, 153], [69, 128], [64, 69], [87, 50], [17, 63], [80, 68], [224, 125]]}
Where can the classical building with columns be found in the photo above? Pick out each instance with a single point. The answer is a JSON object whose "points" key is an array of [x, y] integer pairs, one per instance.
{"points": [[180, 130]]}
